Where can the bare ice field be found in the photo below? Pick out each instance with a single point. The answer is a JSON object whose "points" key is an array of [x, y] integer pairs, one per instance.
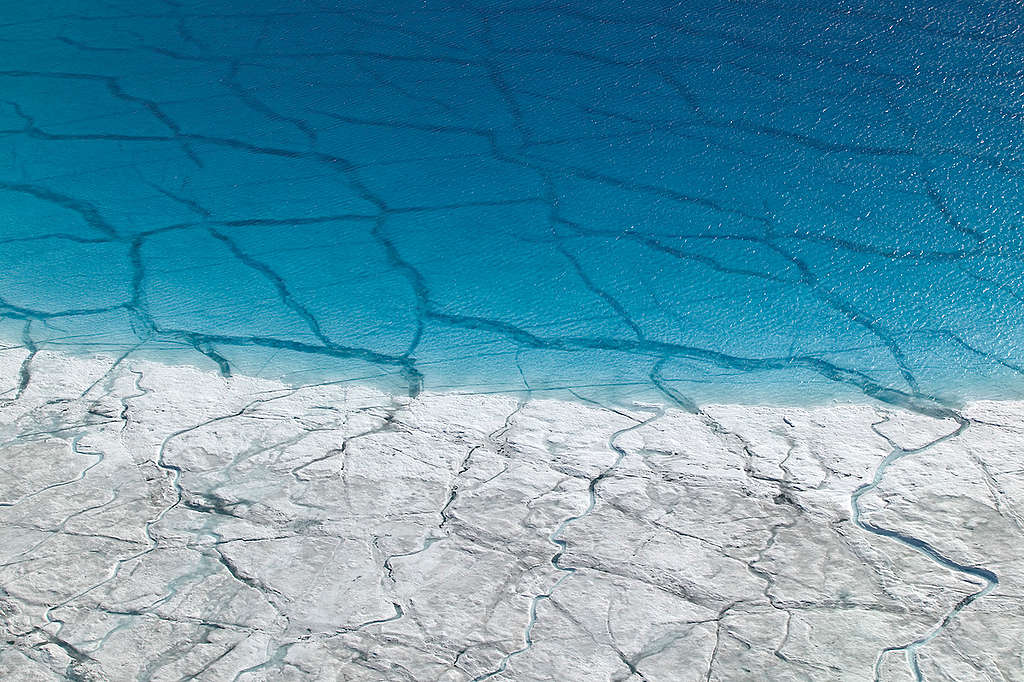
{"points": [[161, 522]]}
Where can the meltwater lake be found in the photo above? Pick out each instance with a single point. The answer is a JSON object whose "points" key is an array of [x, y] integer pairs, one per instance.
{"points": [[729, 201]]}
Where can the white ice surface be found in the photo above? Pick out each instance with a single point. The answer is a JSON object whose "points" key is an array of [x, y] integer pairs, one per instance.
{"points": [[160, 522]]}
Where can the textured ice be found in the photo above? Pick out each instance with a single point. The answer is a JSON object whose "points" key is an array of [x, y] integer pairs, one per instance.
{"points": [[244, 529]]}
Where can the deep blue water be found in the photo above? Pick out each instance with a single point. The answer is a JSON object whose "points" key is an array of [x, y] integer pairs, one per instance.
{"points": [[709, 200]]}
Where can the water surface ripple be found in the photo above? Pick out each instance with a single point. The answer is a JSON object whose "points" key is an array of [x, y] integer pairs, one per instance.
{"points": [[706, 201]]}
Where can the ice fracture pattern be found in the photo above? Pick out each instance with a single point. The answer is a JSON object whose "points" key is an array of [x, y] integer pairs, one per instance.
{"points": [[511, 340]]}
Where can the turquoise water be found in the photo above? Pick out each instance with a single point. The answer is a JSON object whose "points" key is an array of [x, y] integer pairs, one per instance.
{"points": [[744, 201]]}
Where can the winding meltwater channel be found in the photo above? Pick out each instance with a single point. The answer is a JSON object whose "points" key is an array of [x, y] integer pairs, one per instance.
{"points": [[793, 211], [987, 577]]}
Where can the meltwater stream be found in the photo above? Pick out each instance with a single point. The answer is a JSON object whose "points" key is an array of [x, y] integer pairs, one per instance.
{"points": [[771, 202], [980, 574]]}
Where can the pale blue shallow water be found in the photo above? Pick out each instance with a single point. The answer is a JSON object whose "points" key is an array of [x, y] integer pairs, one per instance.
{"points": [[743, 201]]}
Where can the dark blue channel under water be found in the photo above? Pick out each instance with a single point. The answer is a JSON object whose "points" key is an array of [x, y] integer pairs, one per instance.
{"points": [[729, 201]]}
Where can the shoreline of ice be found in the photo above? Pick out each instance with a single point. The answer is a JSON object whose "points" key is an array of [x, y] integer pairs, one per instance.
{"points": [[238, 528]]}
